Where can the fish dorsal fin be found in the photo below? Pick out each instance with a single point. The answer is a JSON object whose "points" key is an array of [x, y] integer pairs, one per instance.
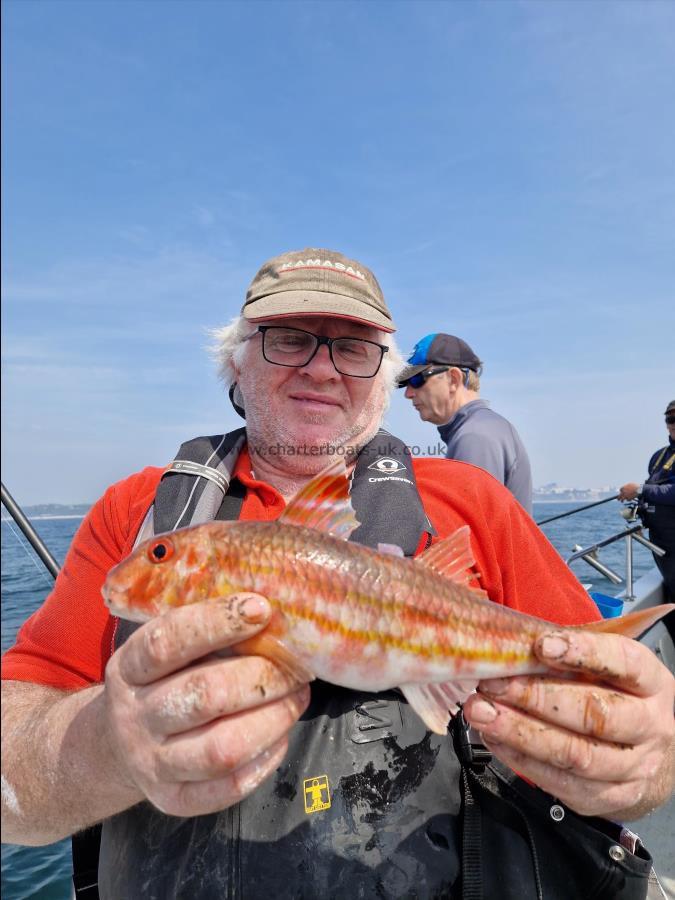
{"points": [[450, 557], [435, 704], [323, 503]]}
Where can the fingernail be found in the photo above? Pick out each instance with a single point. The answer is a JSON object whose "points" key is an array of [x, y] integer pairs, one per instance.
{"points": [[495, 686], [482, 713], [254, 610], [300, 700], [257, 772], [555, 646]]}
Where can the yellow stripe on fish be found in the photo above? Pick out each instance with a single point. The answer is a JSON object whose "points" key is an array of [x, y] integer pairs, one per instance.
{"points": [[342, 612]]}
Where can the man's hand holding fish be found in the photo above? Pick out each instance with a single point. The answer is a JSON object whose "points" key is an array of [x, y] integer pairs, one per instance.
{"points": [[248, 665], [602, 745], [193, 731]]}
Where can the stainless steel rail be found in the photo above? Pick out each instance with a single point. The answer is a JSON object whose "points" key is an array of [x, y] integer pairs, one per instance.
{"points": [[629, 534]]}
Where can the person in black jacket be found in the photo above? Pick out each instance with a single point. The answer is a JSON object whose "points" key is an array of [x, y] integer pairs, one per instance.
{"points": [[657, 503]]}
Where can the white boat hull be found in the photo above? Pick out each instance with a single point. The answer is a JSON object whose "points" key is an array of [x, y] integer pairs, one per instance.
{"points": [[657, 830]]}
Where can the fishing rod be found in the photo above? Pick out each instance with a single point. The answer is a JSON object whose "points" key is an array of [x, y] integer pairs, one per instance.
{"points": [[30, 533], [570, 512]]}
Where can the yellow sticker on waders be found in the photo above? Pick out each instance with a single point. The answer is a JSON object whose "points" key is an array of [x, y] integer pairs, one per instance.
{"points": [[317, 794]]}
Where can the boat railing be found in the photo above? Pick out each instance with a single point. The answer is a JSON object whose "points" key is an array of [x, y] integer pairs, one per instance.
{"points": [[29, 532], [630, 533]]}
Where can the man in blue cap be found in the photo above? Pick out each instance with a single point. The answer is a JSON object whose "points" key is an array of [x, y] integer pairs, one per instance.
{"points": [[442, 379]]}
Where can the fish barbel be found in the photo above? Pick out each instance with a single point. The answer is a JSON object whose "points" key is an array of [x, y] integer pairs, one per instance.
{"points": [[342, 612]]}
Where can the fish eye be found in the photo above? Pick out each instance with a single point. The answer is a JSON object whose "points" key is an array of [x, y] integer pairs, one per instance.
{"points": [[160, 550]]}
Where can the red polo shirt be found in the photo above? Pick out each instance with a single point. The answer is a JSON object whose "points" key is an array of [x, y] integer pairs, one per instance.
{"points": [[69, 640]]}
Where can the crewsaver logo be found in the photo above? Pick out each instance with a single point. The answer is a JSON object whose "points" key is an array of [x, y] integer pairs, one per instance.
{"points": [[387, 466], [321, 264]]}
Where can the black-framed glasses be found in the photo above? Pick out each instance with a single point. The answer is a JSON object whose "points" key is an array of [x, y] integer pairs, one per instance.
{"points": [[670, 419], [293, 347], [416, 381]]}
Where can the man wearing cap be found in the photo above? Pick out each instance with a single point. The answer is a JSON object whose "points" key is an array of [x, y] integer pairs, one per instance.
{"points": [[442, 379], [656, 498], [223, 776]]}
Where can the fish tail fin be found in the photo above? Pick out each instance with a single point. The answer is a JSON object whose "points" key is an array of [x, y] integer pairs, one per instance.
{"points": [[633, 624]]}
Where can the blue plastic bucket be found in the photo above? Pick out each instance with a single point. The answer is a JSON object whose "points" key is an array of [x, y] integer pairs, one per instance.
{"points": [[609, 607]]}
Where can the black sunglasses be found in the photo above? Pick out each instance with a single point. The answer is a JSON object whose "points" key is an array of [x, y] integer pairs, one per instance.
{"points": [[670, 419], [416, 381]]}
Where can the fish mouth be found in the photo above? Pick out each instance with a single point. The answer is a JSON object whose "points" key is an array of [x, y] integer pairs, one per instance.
{"points": [[117, 602]]}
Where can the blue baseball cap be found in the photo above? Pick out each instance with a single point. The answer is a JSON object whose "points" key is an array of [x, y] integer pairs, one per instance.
{"points": [[440, 349]]}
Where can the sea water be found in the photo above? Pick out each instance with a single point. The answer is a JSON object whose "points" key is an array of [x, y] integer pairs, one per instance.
{"points": [[44, 872], [32, 872]]}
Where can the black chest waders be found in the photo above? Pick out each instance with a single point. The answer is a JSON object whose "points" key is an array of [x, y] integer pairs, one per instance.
{"points": [[367, 803]]}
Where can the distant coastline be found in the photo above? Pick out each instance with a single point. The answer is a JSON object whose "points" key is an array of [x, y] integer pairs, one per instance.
{"points": [[51, 516], [539, 499], [52, 511], [553, 493], [549, 493]]}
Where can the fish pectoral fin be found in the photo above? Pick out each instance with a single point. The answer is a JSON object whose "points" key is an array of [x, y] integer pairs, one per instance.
{"points": [[391, 549], [435, 704], [323, 503], [451, 558], [273, 648]]}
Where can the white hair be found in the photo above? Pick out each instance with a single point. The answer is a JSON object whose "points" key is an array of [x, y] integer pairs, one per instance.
{"points": [[228, 349]]}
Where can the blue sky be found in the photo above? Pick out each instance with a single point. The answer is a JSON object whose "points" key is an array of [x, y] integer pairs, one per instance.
{"points": [[507, 169]]}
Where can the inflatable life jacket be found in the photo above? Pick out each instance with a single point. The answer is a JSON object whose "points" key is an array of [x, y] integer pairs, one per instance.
{"points": [[660, 517], [365, 797], [367, 803]]}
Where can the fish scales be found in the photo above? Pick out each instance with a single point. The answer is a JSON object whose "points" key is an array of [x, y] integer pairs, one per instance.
{"points": [[370, 593], [344, 612], [352, 592]]}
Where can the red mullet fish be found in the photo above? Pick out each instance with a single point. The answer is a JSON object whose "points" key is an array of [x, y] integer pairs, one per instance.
{"points": [[345, 613]]}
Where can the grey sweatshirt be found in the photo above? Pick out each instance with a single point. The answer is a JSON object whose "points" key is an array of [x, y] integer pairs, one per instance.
{"points": [[478, 435]]}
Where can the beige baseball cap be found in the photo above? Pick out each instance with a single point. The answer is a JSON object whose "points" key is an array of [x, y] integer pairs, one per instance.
{"points": [[314, 282]]}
